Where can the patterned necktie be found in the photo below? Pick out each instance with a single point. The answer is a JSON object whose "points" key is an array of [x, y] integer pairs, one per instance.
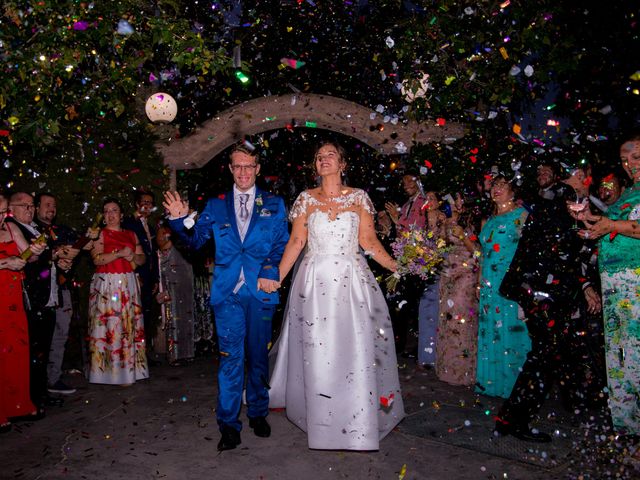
{"points": [[244, 212]]}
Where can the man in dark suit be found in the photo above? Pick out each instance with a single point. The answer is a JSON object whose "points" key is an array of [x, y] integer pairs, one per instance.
{"points": [[45, 219], [147, 272], [546, 279], [250, 230]]}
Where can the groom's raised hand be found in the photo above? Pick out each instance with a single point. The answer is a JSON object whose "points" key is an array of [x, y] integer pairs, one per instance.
{"points": [[268, 286], [174, 205]]}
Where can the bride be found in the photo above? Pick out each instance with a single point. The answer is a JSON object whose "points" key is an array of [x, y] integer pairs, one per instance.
{"points": [[336, 371]]}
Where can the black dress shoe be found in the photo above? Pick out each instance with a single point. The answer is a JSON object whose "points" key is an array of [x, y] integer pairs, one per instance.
{"points": [[32, 417], [522, 432], [260, 426], [230, 438]]}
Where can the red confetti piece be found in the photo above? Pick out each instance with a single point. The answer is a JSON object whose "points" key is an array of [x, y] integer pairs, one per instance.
{"points": [[427, 163], [496, 247], [4, 133], [473, 159], [613, 235], [625, 206], [386, 401], [221, 196], [441, 121], [474, 150], [473, 238], [551, 323]]}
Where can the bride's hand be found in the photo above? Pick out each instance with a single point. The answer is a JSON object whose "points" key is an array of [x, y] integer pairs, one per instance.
{"points": [[268, 286]]}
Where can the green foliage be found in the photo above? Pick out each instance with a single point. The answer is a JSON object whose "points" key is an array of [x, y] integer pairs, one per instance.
{"points": [[67, 68]]}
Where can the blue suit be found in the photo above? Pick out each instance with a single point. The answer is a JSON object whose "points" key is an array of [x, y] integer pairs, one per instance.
{"points": [[243, 318]]}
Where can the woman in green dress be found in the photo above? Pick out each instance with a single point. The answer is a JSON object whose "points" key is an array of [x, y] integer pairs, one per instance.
{"points": [[619, 263], [503, 342]]}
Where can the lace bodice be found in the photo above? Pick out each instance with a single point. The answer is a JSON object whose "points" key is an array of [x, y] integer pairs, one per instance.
{"points": [[333, 226]]}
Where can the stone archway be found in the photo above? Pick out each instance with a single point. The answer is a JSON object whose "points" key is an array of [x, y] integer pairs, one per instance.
{"points": [[295, 111]]}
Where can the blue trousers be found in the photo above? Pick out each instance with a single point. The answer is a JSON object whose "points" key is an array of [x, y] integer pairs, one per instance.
{"points": [[243, 324], [428, 323]]}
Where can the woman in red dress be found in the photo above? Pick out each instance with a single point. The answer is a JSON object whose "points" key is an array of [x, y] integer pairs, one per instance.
{"points": [[15, 400]]}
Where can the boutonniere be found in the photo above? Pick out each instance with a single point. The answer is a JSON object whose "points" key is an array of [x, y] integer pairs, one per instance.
{"points": [[259, 200], [265, 212]]}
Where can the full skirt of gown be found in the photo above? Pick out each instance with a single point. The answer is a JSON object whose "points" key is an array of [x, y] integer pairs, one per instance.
{"points": [[336, 371]]}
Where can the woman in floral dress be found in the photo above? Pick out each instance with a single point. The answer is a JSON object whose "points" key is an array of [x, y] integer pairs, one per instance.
{"points": [[116, 330], [619, 263]]}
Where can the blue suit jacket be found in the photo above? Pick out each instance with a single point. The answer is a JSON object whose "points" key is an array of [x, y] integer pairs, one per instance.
{"points": [[259, 254]]}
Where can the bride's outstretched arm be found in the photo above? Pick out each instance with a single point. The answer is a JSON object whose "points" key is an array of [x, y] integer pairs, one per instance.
{"points": [[296, 243], [370, 243]]}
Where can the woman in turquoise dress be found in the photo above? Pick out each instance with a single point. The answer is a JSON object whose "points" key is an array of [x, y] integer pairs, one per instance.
{"points": [[619, 263], [503, 342]]}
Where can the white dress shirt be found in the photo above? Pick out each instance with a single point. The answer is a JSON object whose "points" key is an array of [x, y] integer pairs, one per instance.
{"points": [[243, 225]]}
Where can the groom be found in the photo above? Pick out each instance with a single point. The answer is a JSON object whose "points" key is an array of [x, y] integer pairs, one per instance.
{"points": [[250, 231]]}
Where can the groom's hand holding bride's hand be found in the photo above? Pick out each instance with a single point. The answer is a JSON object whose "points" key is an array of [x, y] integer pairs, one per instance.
{"points": [[268, 286]]}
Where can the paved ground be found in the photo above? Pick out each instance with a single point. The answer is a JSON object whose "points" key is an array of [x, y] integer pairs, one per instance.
{"points": [[165, 428]]}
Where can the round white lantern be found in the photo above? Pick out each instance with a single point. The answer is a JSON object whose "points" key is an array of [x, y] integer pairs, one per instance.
{"points": [[161, 108], [412, 89]]}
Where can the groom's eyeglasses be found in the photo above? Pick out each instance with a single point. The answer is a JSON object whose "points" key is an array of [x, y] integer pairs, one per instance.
{"points": [[235, 168]]}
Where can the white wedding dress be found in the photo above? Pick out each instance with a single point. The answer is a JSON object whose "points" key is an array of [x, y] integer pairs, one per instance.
{"points": [[336, 372]]}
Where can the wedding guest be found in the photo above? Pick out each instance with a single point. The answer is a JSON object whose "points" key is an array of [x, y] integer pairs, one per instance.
{"points": [[545, 279], [176, 298], [457, 340], [15, 398], [45, 218], [503, 342], [619, 233], [404, 302], [140, 223], [429, 308], [116, 330], [336, 371], [40, 288], [610, 188]]}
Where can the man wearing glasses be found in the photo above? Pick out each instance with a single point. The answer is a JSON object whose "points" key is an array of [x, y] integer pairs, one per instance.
{"points": [[40, 289], [250, 230], [148, 272]]}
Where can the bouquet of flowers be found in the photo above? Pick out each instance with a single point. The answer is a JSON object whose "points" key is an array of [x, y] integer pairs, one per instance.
{"points": [[417, 253]]}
